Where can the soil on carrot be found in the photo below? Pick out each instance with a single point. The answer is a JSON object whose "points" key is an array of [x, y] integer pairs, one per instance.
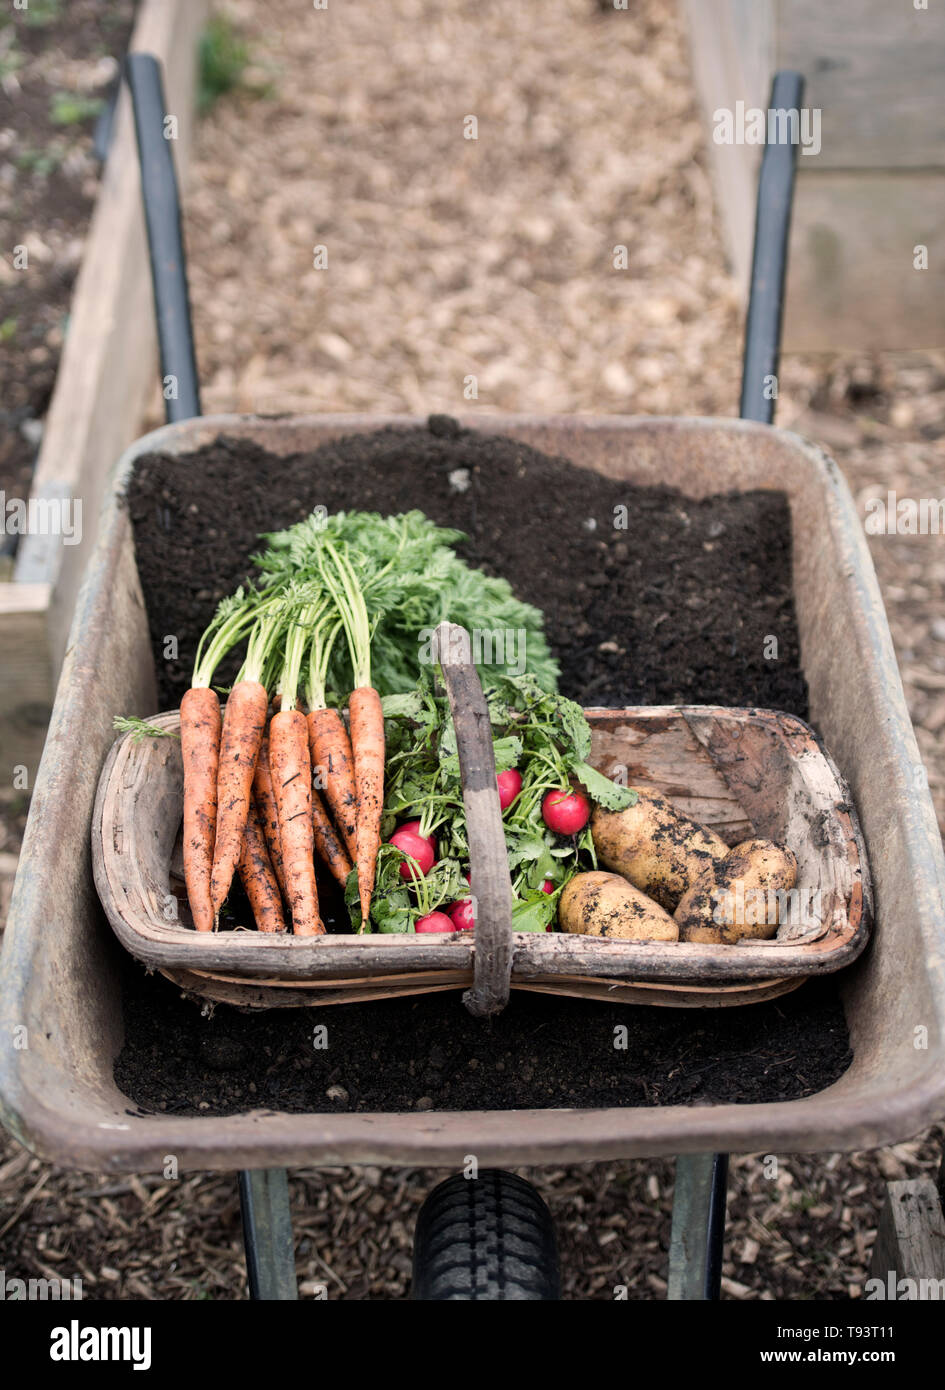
{"points": [[677, 607]]}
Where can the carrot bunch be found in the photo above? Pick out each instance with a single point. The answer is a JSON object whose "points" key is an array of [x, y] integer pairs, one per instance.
{"points": [[262, 799]]}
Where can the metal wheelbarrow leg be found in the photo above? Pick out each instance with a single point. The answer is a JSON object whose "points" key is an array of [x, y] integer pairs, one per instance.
{"points": [[267, 1234]]}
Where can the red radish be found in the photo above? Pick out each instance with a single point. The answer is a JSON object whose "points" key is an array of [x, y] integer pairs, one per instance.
{"points": [[414, 827], [462, 916], [510, 784], [435, 922], [565, 812], [547, 886], [419, 847]]}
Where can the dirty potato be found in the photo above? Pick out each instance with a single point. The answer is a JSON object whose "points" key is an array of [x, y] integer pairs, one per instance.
{"points": [[660, 851], [738, 896], [598, 904]]}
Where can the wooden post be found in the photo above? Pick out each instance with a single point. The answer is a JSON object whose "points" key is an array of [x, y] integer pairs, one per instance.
{"points": [[909, 1254]]}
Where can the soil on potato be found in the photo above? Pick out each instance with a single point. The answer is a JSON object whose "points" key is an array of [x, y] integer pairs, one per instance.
{"points": [[676, 608]]}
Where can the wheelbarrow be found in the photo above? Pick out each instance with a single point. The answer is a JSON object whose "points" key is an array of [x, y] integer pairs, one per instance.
{"points": [[59, 975]]}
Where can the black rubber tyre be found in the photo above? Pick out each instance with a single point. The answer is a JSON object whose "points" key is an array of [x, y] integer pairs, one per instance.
{"points": [[489, 1238]]}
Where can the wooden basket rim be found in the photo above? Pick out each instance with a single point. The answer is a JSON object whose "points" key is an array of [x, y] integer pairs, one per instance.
{"points": [[258, 957]]}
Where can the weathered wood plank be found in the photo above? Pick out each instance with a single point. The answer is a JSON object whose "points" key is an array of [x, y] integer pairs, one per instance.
{"points": [[25, 676], [489, 861], [275, 994], [875, 189], [852, 283], [910, 1241], [731, 46], [875, 71]]}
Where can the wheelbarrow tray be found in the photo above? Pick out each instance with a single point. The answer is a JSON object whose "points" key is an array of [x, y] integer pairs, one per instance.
{"points": [[60, 1004]]}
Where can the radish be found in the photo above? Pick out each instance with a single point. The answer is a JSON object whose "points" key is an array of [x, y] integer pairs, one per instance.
{"points": [[565, 812], [510, 784], [435, 922], [422, 848], [547, 886], [462, 916], [413, 826]]}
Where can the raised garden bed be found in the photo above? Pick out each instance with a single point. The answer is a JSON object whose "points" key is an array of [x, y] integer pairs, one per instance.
{"points": [[58, 64], [94, 395], [888, 1090]]}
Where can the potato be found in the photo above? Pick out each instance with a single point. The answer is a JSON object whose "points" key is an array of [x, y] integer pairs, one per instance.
{"points": [[597, 904], [660, 851], [735, 897]]}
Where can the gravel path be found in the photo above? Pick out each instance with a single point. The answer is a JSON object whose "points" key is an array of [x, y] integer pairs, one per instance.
{"points": [[493, 258]]}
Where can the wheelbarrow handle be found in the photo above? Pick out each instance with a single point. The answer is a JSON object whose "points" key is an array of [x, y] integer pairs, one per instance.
{"points": [[488, 857], [769, 261], [162, 217]]}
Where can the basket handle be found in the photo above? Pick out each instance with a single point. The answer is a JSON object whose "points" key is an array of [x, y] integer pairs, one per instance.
{"points": [[488, 858]]}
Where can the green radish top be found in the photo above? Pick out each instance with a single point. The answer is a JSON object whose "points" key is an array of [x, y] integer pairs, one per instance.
{"points": [[546, 738]]}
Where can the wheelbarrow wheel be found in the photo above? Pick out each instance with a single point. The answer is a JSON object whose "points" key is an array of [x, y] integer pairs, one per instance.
{"points": [[490, 1238]]}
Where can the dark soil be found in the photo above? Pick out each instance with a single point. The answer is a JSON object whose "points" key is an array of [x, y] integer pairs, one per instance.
{"points": [[429, 1053], [47, 191], [687, 595], [674, 609]]}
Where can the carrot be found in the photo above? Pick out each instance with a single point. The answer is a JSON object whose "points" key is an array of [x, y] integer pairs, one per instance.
{"points": [[328, 741], [244, 722], [332, 757], [292, 779], [264, 796], [366, 718], [200, 747], [327, 841], [258, 875], [367, 742]]}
